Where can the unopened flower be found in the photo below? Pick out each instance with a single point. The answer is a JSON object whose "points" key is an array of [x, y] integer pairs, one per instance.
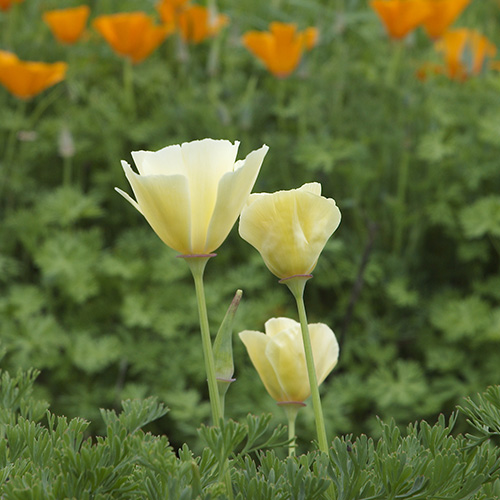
{"points": [[279, 358], [7, 4], [196, 23], [282, 47], [192, 194], [131, 34], [26, 79], [400, 17], [67, 25], [442, 14], [289, 228]]}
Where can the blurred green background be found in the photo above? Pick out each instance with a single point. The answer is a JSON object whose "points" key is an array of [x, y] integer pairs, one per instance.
{"points": [[409, 282]]}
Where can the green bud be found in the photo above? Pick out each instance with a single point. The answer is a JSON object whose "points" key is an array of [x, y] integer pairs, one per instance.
{"points": [[223, 347]]}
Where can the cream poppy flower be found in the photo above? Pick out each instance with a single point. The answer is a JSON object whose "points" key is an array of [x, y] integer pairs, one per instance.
{"points": [[279, 357], [289, 228], [191, 194]]}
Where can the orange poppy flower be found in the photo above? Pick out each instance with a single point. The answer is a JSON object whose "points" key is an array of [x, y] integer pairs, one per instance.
{"points": [[280, 49], [25, 79], [7, 4], [196, 25], [401, 16], [443, 14], [170, 9], [466, 52], [67, 25], [131, 34]]}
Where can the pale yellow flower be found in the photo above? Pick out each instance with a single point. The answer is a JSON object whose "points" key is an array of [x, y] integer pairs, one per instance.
{"points": [[192, 194], [279, 357], [289, 228]]}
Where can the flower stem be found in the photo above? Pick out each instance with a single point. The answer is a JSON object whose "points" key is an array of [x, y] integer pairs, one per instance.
{"points": [[128, 85], [296, 285], [197, 265], [401, 201], [291, 410]]}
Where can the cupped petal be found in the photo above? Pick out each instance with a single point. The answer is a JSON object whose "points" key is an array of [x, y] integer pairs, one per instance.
{"points": [[325, 349], [274, 326], [443, 14], [261, 44], [289, 228], [232, 192], [206, 162], [256, 343], [285, 352], [311, 187], [166, 161], [164, 202]]}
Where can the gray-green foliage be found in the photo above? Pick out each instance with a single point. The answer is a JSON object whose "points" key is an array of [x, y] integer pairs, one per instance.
{"points": [[44, 456]]}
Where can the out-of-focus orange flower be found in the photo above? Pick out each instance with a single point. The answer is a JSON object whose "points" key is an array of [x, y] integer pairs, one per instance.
{"points": [[7, 4], [281, 48], [25, 79], [196, 23], [169, 10], [466, 52], [401, 16], [67, 25], [131, 34], [443, 14]]}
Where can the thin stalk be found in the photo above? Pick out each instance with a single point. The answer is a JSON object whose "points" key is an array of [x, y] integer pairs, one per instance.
{"points": [[128, 85], [197, 265], [9, 154], [401, 201], [393, 70], [67, 170], [296, 285], [291, 410]]}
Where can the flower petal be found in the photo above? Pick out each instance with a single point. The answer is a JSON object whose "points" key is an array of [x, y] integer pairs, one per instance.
{"points": [[325, 349], [256, 343], [232, 192], [166, 161], [286, 354], [289, 228], [164, 202], [275, 325]]}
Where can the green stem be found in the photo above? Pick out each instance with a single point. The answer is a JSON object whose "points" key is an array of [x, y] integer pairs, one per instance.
{"points": [[401, 201], [297, 284], [291, 410], [395, 62], [67, 170], [197, 265], [9, 154], [128, 85]]}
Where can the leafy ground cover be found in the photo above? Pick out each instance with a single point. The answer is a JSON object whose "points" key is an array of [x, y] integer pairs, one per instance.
{"points": [[409, 283]]}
